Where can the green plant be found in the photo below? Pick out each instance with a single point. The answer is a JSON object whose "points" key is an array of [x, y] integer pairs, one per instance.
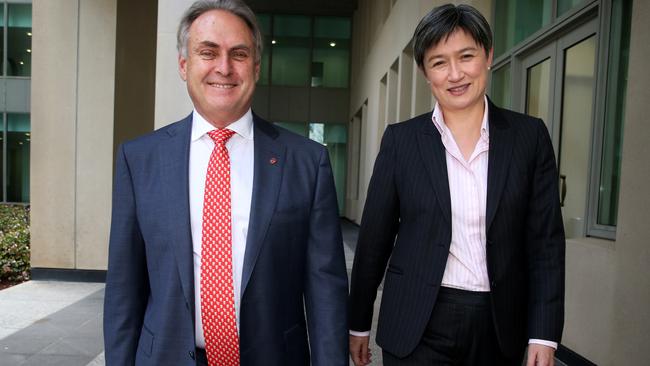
{"points": [[14, 243]]}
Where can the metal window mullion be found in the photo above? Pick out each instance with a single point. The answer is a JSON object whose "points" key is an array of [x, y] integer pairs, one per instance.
{"points": [[4, 156], [4, 41], [592, 226], [5, 30]]}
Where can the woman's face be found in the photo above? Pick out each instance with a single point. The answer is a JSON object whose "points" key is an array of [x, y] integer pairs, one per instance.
{"points": [[457, 71]]}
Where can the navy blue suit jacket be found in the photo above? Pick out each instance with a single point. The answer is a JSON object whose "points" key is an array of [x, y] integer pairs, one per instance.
{"points": [[407, 219], [294, 277]]}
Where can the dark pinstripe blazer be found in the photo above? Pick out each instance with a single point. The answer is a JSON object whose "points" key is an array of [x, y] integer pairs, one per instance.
{"points": [[407, 224]]}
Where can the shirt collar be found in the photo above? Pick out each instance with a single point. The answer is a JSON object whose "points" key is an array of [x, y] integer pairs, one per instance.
{"points": [[439, 121], [242, 127]]}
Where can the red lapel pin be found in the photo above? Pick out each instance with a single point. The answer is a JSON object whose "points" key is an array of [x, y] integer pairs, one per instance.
{"points": [[272, 161]]}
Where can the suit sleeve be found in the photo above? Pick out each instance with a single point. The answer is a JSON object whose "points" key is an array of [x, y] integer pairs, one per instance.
{"points": [[326, 286], [379, 226], [545, 245], [127, 285]]}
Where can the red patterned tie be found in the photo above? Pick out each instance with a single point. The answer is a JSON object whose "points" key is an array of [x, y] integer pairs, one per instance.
{"points": [[217, 292]]}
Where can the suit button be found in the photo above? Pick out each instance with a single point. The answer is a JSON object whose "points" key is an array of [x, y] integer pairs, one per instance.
{"points": [[192, 355], [493, 284]]}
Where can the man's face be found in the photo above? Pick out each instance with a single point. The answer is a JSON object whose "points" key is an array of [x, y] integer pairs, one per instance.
{"points": [[220, 69]]}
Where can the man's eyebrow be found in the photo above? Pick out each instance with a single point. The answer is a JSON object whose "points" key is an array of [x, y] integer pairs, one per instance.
{"points": [[211, 44], [208, 44]]}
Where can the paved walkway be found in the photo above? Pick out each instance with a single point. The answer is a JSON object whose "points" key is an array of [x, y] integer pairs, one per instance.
{"points": [[48, 323]]}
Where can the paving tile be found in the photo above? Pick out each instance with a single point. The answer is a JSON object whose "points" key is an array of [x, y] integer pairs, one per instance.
{"points": [[98, 361], [27, 345], [12, 359], [56, 360]]}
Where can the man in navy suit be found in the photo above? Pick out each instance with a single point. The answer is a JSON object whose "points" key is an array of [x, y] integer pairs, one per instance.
{"points": [[289, 283]]}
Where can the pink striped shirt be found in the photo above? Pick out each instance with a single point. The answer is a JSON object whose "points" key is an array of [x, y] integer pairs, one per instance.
{"points": [[466, 265]]}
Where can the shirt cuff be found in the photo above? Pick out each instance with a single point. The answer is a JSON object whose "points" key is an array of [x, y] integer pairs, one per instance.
{"points": [[360, 334], [542, 342]]}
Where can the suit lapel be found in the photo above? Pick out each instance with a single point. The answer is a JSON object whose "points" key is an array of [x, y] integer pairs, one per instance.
{"points": [[269, 164], [501, 144], [174, 157], [435, 163]]}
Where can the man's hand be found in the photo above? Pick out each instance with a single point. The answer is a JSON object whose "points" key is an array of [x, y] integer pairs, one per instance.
{"points": [[359, 350], [538, 355]]}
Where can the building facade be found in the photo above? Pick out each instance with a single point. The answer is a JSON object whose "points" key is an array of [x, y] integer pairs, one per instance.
{"points": [[103, 71]]}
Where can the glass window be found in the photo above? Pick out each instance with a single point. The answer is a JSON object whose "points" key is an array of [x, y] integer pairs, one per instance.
{"points": [[518, 19], [264, 21], [18, 142], [331, 58], [537, 93], [575, 141], [291, 50], [610, 169], [301, 128], [2, 38], [19, 39], [501, 87], [336, 141], [565, 5]]}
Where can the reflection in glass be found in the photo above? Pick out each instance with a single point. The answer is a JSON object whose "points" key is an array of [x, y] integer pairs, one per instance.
{"points": [[518, 19], [2, 39], [18, 142], [264, 21], [565, 5], [19, 40], [500, 94], [291, 46], [537, 91], [610, 171], [575, 140], [331, 57]]}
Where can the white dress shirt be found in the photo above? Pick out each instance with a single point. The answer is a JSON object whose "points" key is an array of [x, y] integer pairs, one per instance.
{"points": [[466, 264], [240, 150]]}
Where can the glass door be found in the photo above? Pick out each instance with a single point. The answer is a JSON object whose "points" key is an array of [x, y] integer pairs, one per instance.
{"points": [[558, 85]]}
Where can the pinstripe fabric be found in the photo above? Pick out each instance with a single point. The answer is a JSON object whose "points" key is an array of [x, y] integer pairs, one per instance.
{"points": [[406, 232]]}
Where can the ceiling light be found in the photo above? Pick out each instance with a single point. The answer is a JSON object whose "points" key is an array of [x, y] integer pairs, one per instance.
{"points": [[29, 34], [22, 63], [332, 44], [29, 50], [273, 42]]}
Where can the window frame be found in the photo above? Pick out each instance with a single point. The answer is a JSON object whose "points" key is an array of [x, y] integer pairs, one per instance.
{"points": [[600, 11]]}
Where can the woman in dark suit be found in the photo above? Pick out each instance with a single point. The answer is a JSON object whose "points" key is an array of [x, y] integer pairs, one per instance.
{"points": [[463, 216]]}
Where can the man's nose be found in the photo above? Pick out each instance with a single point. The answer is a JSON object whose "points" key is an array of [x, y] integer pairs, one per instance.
{"points": [[223, 65]]}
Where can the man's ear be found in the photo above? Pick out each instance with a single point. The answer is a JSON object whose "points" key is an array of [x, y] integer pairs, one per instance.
{"points": [[182, 67]]}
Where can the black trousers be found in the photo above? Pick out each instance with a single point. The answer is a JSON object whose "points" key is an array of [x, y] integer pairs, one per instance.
{"points": [[460, 333]]}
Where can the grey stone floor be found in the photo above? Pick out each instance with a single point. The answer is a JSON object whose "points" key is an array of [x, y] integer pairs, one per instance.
{"points": [[51, 323], [46, 323]]}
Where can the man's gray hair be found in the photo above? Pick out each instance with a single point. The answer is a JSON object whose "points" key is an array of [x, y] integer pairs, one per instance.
{"points": [[237, 7], [446, 19]]}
